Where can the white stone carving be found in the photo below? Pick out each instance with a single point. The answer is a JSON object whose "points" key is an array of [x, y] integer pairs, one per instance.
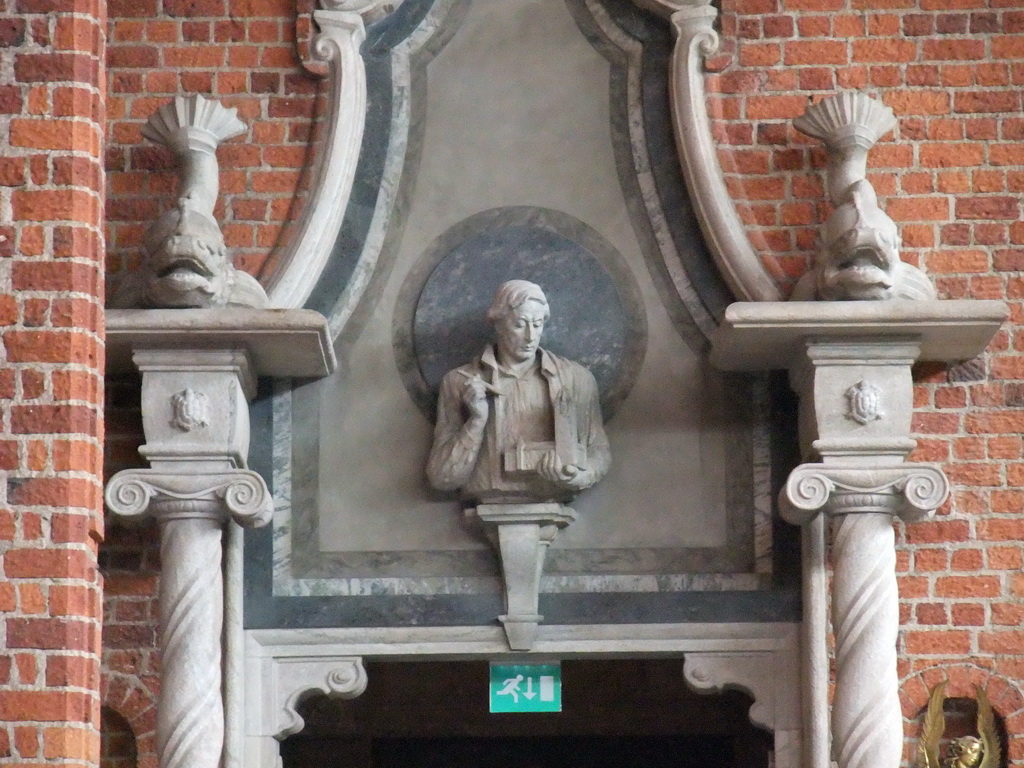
{"points": [[864, 402], [775, 708], [342, 31], [866, 714], [523, 533], [739, 264], [860, 483], [298, 679], [759, 658], [858, 250], [191, 511], [277, 686], [196, 483], [184, 257], [518, 424], [190, 409]]}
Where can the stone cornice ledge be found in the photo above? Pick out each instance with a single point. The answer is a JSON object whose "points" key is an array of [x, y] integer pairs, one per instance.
{"points": [[771, 335], [280, 342]]}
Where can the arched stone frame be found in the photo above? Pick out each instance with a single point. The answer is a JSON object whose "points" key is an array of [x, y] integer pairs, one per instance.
{"points": [[303, 257], [283, 667], [964, 679]]}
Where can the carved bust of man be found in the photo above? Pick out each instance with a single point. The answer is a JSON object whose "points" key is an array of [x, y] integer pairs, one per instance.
{"points": [[518, 424]]}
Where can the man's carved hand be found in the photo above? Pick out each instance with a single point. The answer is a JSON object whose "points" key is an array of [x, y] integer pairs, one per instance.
{"points": [[569, 476], [474, 395]]}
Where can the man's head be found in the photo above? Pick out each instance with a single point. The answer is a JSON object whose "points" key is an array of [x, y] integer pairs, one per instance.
{"points": [[518, 314]]}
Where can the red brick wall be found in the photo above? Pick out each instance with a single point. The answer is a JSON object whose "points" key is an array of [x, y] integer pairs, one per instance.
{"points": [[243, 52], [51, 362], [951, 175]]}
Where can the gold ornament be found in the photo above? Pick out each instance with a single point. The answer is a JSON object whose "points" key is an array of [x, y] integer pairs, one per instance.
{"points": [[982, 751]]}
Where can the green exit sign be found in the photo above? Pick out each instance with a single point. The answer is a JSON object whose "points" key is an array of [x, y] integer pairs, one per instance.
{"points": [[526, 688]]}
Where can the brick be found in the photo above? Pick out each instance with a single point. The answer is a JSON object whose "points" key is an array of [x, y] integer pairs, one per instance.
{"points": [[953, 49], [919, 209], [947, 155], [913, 102], [60, 277], [45, 706], [1009, 642], [70, 346], [53, 419], [884, 50], [967, 586], [56, 205], [986, 101], [816, 52], [969, 615], [988, 208], [55, 67], [938, 642]]}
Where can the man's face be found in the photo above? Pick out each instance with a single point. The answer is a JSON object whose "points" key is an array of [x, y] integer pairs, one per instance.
{"points": [[519, 332]]}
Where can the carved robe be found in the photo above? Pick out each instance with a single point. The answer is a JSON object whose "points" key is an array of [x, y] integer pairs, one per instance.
{"points": [[554, 405]]}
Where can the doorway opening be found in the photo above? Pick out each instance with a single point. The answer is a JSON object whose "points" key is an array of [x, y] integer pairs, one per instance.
{"points": [[616, 713]]}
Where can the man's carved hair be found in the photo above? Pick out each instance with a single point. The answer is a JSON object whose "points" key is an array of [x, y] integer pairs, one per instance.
{"points": [[512, 295]]}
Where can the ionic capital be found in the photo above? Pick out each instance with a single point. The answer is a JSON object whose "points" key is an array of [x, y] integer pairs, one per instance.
{"points": [[908, 491], [240, 494]]}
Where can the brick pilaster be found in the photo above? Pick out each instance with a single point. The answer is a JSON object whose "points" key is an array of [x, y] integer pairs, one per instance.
{"points": [[52, 119]]}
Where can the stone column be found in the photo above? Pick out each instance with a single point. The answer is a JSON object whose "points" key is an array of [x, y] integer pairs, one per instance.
{"points": [[198, 375], [867, 727], [856, 400], [850, 363], [195, 413]]}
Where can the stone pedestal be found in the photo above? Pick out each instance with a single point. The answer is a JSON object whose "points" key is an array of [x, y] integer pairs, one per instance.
{"points": [[198, 375], [522, 533], [850, 363]]}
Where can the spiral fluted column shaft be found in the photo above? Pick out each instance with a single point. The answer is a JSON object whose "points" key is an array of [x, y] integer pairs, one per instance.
{"points": [[190, 719], [861, 501], [192, 510], [865, 619]]}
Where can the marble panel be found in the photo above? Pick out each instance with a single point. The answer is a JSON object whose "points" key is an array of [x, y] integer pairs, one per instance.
{"points": [[541, 125]]}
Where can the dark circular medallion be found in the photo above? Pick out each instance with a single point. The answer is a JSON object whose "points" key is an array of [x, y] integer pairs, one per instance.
{"points": [[597, 316]]}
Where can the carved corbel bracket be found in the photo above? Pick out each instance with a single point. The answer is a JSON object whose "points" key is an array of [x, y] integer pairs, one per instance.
{"points": [[522, 533], [302, 260], [295, 680], [741, 267], [774, 708]]}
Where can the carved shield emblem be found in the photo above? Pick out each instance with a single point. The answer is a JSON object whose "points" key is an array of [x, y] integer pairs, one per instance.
{"points": [[864, 402], [190, 410]]}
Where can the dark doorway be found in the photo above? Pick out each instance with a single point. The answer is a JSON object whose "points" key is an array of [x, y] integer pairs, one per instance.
{"points": [[616, 714]]}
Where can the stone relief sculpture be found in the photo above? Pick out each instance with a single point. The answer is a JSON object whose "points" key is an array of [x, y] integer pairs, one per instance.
{"points": [[518, 424], [519, 432], [184, 258], [858, 246]]}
